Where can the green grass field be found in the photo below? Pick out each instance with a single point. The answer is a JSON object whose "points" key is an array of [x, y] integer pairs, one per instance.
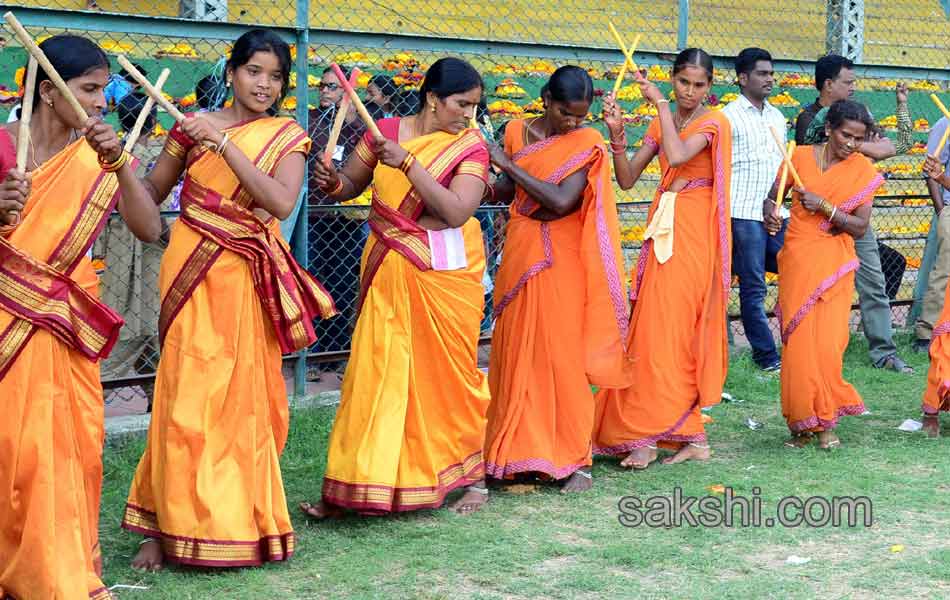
{"points": [[542, 544]]}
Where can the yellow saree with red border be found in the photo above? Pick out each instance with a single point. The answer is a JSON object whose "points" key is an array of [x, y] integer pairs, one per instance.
{"points": [[53, 329], [233, 299], [411, 420]]}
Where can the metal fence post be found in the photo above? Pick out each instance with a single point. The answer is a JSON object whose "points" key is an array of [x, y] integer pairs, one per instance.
{"points": [[845, 29], [301, 231], [682, 31]]}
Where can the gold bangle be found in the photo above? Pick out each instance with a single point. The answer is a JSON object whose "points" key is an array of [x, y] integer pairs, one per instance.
{"points": [[224, 144], [407, 163], [114, 165]]}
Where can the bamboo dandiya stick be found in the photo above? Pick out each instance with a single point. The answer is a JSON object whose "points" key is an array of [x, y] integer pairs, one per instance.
{"points": [[146, 110], [786, 157], [780, 194], [357, 102], [339, 120], [946, 113], [627, 63], [153, 93], [26, 115], [30, 46]]}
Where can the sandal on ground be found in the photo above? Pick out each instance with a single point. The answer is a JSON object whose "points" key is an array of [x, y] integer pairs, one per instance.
{"points": [[896, 364]]}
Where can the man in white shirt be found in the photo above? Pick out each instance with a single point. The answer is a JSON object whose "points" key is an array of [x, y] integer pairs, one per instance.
{"points": [[755, 163]]}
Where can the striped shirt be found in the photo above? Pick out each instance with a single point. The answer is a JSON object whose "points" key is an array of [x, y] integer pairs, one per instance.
{"points": [[755, 156]]}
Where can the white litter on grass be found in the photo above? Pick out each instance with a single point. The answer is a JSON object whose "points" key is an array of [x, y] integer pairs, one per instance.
{"points": [[727, 397], [750, 467], [752, 424], [120, 586], [910, 425], [866, 412], [797, 560]]}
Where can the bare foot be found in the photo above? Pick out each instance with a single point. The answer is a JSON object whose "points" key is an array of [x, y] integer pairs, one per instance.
{"points": [[799, 440], [321, 510], [472, 500], [688, 452], [828, 440], [640, 458], [931, 426], [580, 481], [150, 556]]}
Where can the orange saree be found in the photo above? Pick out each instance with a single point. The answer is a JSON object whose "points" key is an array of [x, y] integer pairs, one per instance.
{"points": [[937, 394], [815, 294], [677, 341], [560, 314], [233, 299], [411, 420], [53, 329]]}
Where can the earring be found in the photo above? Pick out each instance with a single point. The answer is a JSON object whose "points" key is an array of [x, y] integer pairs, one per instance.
{"points": [[433, 107], [227, 83]]}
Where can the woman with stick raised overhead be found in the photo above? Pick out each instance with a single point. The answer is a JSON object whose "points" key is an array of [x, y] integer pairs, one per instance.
{"points": [[411, 421], [208, 490], [55, 198], [677, 340]]}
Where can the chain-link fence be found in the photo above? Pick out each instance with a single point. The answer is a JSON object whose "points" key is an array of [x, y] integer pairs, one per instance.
{"points": [[515, 46]]}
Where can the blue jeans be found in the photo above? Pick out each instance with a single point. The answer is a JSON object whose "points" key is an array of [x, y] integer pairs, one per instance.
{"points": [[753, 252]]}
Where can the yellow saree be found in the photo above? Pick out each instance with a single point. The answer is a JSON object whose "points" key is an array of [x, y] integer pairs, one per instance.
{"points": [[209, 484], [411, 421], [53, 329]]}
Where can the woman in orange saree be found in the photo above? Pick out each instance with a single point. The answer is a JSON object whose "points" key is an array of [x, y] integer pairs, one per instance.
{"points": [[560, 281], [54, 328], [937, 395], [411, 420], [208, 489], [677, 341], [817, 264]]}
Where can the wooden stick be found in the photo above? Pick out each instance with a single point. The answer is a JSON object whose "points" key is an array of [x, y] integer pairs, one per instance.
{"points": [[355, 99], [30, 46], [146, 110], [627, 53], [338, 121], [153, 93], [940, 105], [787, 158], [780, 194], [26, 115]]}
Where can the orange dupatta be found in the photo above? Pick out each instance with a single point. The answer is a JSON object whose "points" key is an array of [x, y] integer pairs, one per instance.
{"points": [[606, 315]]}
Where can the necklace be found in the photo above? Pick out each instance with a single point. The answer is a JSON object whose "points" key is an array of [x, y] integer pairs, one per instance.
{"points": [[823, 160], [36, 165], [682, 125]]}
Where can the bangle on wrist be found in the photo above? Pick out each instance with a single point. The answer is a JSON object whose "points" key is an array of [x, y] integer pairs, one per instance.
{"points": [[407, 163], [662, 101], [224, 144], [112, 167], [336, 190], [831, 217]]}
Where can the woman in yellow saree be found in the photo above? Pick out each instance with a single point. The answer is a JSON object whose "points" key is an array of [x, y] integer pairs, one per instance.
{"points": [[208, 489], [411, 421], [54, 328]]}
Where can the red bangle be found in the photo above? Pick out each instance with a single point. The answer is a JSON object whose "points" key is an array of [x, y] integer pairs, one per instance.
{"points": [[337, 189]]}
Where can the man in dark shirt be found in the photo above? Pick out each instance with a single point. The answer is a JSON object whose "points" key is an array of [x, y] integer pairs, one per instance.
{"points": [[835, 80]]}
